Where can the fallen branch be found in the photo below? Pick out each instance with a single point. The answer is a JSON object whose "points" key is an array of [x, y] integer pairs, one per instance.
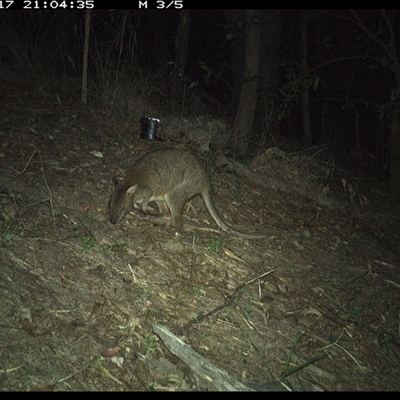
{"points": [[199, 365]]}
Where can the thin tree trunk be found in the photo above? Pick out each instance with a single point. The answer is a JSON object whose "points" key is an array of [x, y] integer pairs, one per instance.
{"points": [[160, 37], [248, 95], [85, 58], [181, 49], [307, 135], [395, 149], [270, 55]]}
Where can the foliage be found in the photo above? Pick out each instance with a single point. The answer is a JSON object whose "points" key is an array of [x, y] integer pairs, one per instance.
{"points": [[214, 245], [213, 76], [37, 39], [293, 86]]}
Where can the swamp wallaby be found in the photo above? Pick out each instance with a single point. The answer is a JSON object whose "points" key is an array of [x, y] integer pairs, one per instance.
{"points": [[170, 177]]}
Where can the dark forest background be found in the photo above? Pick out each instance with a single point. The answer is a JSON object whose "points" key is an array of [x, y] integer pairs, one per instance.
{"points": [[310, 77]]}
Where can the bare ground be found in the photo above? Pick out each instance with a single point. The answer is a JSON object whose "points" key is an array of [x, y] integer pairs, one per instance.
{"points": [[314, 306]]}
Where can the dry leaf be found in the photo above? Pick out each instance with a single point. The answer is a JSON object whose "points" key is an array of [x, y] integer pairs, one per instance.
{"points": [[26, 326], [110, 352], [83, 209], [96, 153], [232, 255], [43, 388], [118, 361], [366, 350]]}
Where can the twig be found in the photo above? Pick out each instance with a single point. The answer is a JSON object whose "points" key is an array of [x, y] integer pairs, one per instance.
{"points": [[50, 193], [228, 302], [29, 161], [6, 371]]}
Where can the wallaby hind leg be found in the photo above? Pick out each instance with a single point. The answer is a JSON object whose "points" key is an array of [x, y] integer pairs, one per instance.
{"points": [[175, 204], [164, 210]]}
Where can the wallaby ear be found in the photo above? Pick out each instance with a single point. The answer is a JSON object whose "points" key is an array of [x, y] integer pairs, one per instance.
{"points": [[131, 189]]}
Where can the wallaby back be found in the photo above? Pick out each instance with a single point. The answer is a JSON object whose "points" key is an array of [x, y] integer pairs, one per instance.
{"points": [[169, 177]]}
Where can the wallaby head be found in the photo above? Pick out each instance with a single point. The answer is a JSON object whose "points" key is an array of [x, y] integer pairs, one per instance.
{"points": [[120, 202]]}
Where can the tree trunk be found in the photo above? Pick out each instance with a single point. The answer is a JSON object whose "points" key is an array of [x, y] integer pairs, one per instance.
{"points": [[270, 49], [160, 37], [395, 149], [307, 135], [234, 19], [181, 49], [85, 58], [248, 96]]}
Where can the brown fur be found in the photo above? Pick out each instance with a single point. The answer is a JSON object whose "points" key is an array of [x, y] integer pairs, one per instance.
{"points": [[169, 177]]}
